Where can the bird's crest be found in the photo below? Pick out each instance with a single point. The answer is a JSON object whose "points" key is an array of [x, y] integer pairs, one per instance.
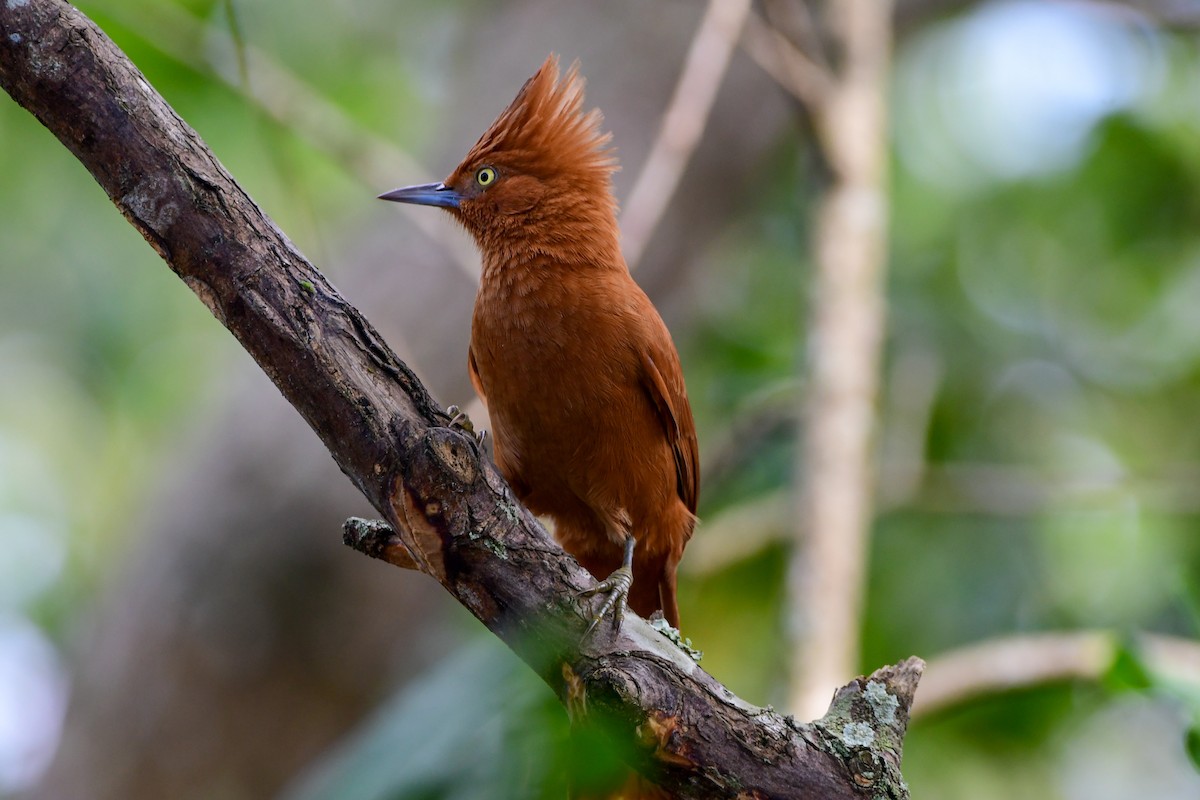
{"points": [[545, 132]]}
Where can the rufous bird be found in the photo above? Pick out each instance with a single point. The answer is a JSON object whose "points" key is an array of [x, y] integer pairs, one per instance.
{"points": [[589, 413]]}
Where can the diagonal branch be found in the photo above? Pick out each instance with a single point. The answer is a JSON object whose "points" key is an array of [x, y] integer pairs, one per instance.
{"points": [[451, 514]]}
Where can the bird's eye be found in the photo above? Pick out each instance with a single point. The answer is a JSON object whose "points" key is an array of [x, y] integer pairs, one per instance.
{"points": [[486, 176]]}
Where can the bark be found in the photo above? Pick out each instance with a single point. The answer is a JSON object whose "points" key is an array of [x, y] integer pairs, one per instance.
{"points": [[453, 514]]}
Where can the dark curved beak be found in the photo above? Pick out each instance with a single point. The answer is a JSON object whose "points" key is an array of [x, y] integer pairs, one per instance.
{"points": [[425, 194]]}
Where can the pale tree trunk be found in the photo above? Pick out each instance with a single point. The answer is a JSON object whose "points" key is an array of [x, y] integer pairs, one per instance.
{"points": [[844, 341]]}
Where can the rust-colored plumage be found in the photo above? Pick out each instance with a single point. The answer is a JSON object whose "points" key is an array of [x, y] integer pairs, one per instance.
{"points": [[581, 379]]}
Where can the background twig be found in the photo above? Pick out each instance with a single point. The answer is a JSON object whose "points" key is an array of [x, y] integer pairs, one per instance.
{"points": [[707, 59], [1017, 662]]}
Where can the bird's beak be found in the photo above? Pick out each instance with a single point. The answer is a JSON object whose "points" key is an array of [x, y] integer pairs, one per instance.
{"points": [[425, 194]]}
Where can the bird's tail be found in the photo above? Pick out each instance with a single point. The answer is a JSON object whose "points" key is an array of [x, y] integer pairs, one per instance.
{"points": [[666, 596], [654, 587]]}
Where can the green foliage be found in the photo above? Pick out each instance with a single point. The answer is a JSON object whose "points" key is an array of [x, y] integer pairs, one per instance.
{"points": [[965, 578], [481, 719], [1192, 743], [1128, 672], [748, 656]]}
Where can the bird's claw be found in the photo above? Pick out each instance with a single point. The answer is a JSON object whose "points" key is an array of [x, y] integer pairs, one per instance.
{"points": [[616, 588], [460, 420]]}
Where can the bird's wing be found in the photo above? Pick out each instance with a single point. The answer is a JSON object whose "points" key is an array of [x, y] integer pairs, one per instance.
{"points": [[662, 378]]}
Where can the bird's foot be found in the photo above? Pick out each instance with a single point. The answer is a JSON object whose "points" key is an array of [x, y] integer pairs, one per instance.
{"points": [[460, 420], [616, 590]]}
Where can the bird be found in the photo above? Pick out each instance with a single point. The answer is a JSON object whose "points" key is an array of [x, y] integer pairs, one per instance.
{"points": [[591, 424]]}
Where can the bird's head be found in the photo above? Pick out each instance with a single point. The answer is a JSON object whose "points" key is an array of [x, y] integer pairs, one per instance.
{"points": [[540, 176]]}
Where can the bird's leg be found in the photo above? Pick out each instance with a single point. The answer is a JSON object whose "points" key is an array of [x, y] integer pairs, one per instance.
{"points": [[616, 587], [460, 420]]}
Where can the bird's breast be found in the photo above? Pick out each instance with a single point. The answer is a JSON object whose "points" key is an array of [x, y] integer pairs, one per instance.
{"points": [[559, 368], [553, 351]]}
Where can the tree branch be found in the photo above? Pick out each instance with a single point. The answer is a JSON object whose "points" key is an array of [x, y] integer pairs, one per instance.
{"points": [[451, 513], [807, 81], [1009, 663]]}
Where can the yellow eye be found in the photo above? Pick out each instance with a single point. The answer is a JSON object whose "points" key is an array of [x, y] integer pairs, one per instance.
{"points": [[486, 176]]}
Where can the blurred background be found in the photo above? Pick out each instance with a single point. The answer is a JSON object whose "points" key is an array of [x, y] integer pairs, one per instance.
{"points": [[178, 617]]}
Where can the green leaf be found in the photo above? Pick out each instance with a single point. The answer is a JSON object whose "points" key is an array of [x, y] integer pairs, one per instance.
{"points": [[478, 724], [1128, 672], [1191, 743]]}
